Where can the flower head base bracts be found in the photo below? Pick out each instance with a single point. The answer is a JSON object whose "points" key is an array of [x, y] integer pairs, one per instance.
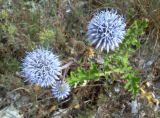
{"points": [[106, 29], [41, 67], [60, 90]]}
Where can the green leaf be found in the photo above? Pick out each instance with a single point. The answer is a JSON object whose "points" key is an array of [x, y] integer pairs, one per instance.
{"points": [[80, 75]]}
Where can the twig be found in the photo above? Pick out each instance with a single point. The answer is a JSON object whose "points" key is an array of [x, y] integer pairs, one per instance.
{"points": [[20, 88], [67, 65]]}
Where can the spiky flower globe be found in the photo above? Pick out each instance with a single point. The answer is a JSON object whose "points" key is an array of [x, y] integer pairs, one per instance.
{"points": [[60, 90], [106, 29], [41, 67]]}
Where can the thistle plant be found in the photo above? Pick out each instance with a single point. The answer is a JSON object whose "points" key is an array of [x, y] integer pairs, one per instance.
{"points": [[117, 62], [106, 29], [41, 67]]}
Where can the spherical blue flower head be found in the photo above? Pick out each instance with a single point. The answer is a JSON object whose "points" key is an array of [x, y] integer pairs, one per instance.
{"points": [[106, 29], [60, 90], [41, 67]]}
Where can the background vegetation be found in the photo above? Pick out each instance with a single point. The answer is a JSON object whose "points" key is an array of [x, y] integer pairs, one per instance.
{"points": [[103, 85]]}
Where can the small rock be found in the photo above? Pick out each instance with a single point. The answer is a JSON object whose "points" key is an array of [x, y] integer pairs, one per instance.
{"points": [[10, 112], [134, 106], [60, 113], [117, 89], [99, 60]]}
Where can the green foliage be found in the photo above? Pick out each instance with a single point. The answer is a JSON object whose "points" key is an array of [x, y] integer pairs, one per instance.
{"points": [[133, 32], [6, 26], [130, 74], [80, 75], [117, 62], [47, 35], [9, 65], [3, 14]]}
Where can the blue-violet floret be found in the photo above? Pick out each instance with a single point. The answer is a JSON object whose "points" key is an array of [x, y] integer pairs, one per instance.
{"points": [[106, 29], [60, 90], [41, 67]]}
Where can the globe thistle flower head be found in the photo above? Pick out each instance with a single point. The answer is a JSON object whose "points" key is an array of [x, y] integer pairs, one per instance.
{"points": [[41, 67], [106, 29], [60, 90]]}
